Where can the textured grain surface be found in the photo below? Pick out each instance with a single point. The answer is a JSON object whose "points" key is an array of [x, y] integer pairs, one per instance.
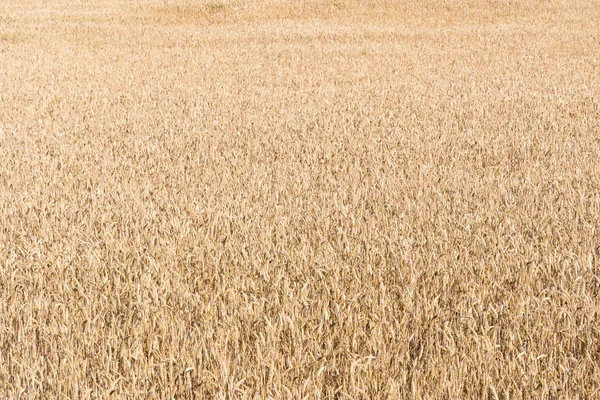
{"points": [[331, 199]]}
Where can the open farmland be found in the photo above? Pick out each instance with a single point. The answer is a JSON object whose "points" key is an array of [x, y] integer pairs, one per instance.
{"points": [[312, 199]]}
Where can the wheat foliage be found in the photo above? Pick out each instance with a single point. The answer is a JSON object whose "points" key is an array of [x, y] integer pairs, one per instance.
{"points": [[313, 199]]}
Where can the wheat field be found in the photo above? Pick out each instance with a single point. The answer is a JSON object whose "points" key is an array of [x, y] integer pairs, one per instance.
{"points": [[321, 199]]}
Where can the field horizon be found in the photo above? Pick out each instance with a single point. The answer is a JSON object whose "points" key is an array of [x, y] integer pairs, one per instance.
{"points": [[315, 199]]}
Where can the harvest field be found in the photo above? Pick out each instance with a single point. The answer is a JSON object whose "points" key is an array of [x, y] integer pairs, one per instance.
{"points": [[312, 199]]}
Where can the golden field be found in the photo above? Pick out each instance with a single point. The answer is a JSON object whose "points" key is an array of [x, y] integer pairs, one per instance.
{"points": [[300, 200]]}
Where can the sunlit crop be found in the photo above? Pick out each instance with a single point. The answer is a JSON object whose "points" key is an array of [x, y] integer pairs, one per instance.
{"points": [[313, 199]]}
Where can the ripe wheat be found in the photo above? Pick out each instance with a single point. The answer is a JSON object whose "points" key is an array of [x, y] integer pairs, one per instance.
{"points": [[324, 199]]}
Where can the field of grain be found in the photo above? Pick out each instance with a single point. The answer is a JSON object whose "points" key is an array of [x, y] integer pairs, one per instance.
{"points": [[315, 199]]}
